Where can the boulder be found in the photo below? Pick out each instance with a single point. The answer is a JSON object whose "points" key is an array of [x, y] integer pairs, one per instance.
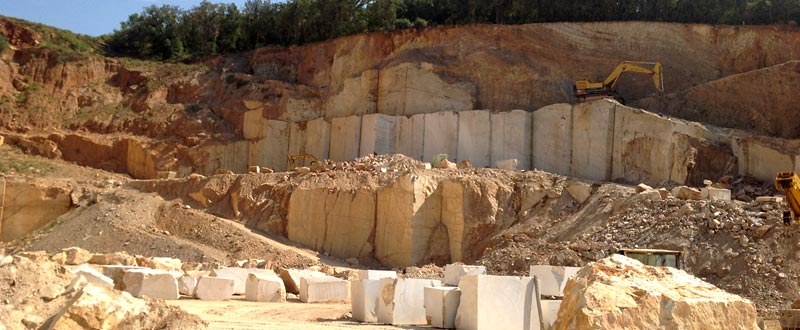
{"points": [[214, 288], [579, 191], [454, 272], [325, 289], [239, 275], [151, 283], [622, 293], [268, 288], [97, 308], [76, 256], [684, 192], [168, 264], [291, 278]]}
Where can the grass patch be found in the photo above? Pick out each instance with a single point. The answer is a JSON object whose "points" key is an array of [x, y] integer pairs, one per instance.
{"points": [[24, 166]]}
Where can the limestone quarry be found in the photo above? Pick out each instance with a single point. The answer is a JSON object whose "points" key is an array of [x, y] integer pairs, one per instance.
{"points": [[421, 177]]}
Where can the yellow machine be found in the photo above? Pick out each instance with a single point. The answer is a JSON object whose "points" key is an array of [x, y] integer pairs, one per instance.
{"points": [[584, 88], [789, 184]]}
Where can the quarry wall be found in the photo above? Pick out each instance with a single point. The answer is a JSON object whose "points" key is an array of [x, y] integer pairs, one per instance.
{"points": [[601, 140]]}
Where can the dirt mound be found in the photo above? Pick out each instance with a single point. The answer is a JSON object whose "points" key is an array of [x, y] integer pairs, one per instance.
{"points": [[763, 101], [622, 293]]}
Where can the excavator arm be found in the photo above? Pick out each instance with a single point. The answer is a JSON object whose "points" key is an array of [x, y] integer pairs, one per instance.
{"points": [[789, 184], [585, 88]]}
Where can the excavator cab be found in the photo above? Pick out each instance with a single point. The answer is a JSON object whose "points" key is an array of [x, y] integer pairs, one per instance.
{"points": [[584, 89]]}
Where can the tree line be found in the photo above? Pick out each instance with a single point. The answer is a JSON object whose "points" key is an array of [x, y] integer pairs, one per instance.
{"points": [[169, 32]]}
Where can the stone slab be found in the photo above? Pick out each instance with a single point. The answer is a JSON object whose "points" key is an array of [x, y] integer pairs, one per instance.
{"points": [[550, 312], [365, 274], [318, 138], [511, 137], [552, 139], [239, 275], [187, 285], [152, 283], [454, 272], [297, 142], [345, 138], [410, 135], [272, 150], [498, 302], [93, 276], [116, 272], [377, 135], [441, 136], [402, 301], [214, 288], [364, 295], [291, 278], [324, 290], [265, 288], [475, 137], [441, 305], [592, 139], [552, 279]]}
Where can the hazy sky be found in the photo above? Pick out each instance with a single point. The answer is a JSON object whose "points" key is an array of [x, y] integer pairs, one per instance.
{"points": [[92, 17]]}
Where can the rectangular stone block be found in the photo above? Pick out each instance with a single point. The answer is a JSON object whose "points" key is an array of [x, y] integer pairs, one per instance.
{"points": [[643, 149], [239, 275], [402, 301], [345, 138], [291, 278], [152, 283], [377, 135], [93, 276], [498, 302], [324, 290], [553, 279], [511, 137], [549, 313], [474, 137], [454, 272], [552, 139], [716, 194], [441, 305], [272, 150], [441, 135], [186, 285], [267, 288], [410, 136], [364, 274], [214, 288], [116, 272], [592, 140], [297, 141], [364, 295], [318, 138]]}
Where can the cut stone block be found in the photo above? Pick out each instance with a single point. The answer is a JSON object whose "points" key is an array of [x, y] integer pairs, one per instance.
{"points": [[239, 275], [318, 138], [291, 278], [552, 139], [716, 194], [376, 274], [441, 305], [345, 138], [265, 288], [512, 137], [377, 135], [441, 135], [214, 288], [454, 272], [187, 285], [116, 273], [410, 135], [550, 312], [592, 139], [553, 279], [402, 301], [297, 143], [474, 137], [272, 150], [151, 283], [93, 276], [323, 290], [498, 302], [364, 295]]}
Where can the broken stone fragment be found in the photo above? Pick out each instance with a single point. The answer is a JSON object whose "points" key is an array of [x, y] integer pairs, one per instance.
{"points": [[76, 256], [684, 192], [97, 308], [93, 276], [454, 272], [291, 278], [579, 191], [761, 231], [643, 187], [116, 258]]}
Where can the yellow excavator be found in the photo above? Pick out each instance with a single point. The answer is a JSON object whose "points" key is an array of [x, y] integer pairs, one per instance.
{"points": [[789, 184], [584, 89]]}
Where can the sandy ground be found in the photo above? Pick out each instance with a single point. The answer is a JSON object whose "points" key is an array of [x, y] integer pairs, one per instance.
{"points": [[291, 315]]}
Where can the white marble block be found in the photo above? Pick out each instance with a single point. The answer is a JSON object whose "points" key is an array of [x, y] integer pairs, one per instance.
{"points": [[402, 301], [239, 275], [550, 312], [116, 272], [364, 295], [186, 285], [364, 274], [454, 272], [552, 279], [291, 278], [152, 283], [323, 290], [214, 288], [498, 302], [93, 276], [441, 305], [267, 288]]}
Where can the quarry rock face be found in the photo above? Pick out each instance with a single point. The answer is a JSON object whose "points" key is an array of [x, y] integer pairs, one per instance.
{"points": [[622, 293]]}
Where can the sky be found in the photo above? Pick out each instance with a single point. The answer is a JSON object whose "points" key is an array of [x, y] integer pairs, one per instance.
{"points": [[90, 17]]}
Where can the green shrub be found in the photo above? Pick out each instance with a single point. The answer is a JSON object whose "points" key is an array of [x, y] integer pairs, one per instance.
{"points": [[403, 23], [3, 44]]}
